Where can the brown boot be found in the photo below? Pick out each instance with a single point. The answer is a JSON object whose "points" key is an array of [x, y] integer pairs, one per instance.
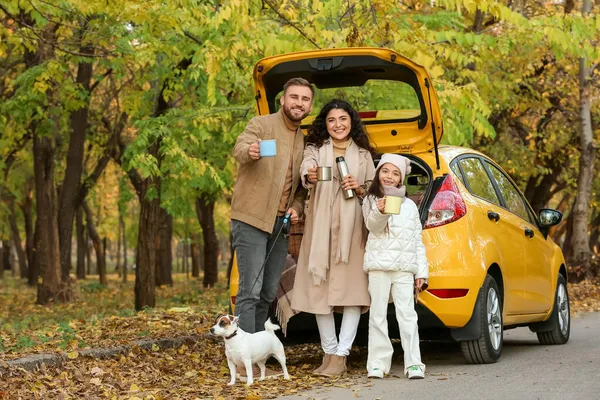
{"points": [[324, 365], [336, 367]]}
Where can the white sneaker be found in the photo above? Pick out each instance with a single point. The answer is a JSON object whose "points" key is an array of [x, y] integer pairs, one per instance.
{"points": [[376, 373], [416, 372]]}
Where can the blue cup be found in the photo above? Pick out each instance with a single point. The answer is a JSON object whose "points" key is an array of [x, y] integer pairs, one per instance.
{"points": [[268, 148]]}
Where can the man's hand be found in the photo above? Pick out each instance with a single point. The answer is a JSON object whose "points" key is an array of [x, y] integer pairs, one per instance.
{"points": [[293, 216], [381, 205], [312, 174], [254, 151]]}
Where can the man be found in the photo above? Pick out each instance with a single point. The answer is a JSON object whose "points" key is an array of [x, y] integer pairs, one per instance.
{"points": [[266, 189]]}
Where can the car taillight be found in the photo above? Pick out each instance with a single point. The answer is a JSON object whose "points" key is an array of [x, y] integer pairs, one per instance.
{"points": [[447, 206], [233, 300], [448, 293]]}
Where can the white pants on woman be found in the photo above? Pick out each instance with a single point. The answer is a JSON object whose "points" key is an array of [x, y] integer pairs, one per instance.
{"points": [[401, 285], [329, 340]]}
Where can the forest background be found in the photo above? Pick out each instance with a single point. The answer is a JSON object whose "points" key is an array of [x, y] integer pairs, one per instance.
{"points": [[117, 121]]}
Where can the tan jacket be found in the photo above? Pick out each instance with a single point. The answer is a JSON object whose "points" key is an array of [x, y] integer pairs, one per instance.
{"points": [[259, 183], [347, 284]]}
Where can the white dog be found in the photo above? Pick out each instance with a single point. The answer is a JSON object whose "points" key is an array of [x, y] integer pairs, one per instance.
{"points": [[243, 348]]}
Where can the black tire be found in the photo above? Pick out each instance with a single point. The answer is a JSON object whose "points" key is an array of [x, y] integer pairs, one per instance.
{"points": [[560, 317], [488, 347]]}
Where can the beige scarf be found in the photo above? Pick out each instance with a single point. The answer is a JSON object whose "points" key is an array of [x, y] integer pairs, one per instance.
{"points": [[324, 195]]}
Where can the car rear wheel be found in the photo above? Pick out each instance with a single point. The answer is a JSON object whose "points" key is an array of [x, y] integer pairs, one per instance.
{"points": [[488, 347], [561, 317]]}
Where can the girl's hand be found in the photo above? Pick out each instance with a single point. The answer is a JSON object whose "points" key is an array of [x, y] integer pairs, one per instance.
{"points": [[350, 182], [381, 204], [312, 175], [419, 283]]}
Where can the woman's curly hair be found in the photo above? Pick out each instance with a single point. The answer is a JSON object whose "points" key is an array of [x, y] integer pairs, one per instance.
{"points": [[318, 134]]}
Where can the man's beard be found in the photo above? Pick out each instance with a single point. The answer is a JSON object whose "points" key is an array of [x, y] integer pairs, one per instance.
{"points": [[288, 113]]}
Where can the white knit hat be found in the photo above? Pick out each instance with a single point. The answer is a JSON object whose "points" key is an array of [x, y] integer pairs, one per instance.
{"points": [[402, 163]]}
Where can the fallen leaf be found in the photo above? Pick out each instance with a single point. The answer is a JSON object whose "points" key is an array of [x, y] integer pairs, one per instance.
{"points": [[96, 371], [155, 347], [73, 355], [134, 388], [179, 309], [96, 381]]}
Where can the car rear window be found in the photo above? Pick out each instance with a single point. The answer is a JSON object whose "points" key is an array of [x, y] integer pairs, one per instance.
{"points": [[376, 101]]}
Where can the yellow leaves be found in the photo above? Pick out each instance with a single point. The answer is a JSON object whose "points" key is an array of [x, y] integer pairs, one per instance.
{"points": [[436, 72], [73, 355], [179, 309], [134, 388], [155, 347]]}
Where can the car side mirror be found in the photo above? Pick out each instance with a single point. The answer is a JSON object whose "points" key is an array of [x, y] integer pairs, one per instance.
{"points": [[549, 217]]}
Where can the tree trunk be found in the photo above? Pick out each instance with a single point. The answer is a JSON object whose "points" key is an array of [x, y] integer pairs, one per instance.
{"points": [[97, 242], [205, 213], [69, 199], [118, 266], [165, 257], [81, 244], [35, 266], [595, 230], [16, 237], [197, 256], [148, 242], [88, 253], [104, 249], [122, 223], [539, 191], [2, 250], [26, 208], [581, 254], [52, 287], [185, 256]]}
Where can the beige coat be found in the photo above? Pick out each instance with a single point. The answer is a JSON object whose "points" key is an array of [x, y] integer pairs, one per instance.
{"points": [[259, 184], [346, 284]]}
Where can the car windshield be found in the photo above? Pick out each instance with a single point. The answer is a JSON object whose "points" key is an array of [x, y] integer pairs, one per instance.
{"points": [[376, 101]]}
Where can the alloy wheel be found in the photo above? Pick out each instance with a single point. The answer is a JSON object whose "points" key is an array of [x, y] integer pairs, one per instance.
{"points": [[494, 318]]}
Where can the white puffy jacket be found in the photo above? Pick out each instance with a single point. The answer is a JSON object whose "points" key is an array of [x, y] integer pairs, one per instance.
{"points": [[399, 248]]}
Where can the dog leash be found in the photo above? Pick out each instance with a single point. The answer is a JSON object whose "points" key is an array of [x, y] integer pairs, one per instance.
{"points": [[285, 224]]}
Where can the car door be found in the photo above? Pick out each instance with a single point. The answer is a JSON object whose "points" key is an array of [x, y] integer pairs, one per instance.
{"points": [[538, 293], [503, 228]]}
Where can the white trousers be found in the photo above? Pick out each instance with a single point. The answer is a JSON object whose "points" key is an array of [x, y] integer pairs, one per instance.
{"points": [[329, 340], [401, 285]]}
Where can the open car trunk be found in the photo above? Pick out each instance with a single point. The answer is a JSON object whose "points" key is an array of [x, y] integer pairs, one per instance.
{"points": [[393, 95]]}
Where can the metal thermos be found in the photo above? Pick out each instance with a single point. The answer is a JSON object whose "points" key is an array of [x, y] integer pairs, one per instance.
{"points": [[343, 169]]}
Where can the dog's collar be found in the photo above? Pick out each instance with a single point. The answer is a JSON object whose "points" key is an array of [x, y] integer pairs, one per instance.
{"points": [[232, 335]]}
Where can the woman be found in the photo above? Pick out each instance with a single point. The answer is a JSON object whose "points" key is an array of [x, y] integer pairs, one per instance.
{"points": [[329, 273]]}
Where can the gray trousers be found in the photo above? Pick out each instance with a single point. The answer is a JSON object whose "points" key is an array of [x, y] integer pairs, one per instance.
{"points": [[251, 246]]}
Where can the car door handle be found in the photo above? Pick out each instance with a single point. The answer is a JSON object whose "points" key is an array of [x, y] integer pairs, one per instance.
{"points": [[493, 216], [529, 232]]}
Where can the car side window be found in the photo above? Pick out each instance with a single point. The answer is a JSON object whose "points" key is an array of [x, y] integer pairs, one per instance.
{"points": [[456, 169], [478, 180], [512, 197]]}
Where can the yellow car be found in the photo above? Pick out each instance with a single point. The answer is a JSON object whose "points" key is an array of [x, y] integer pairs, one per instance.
{"points": [[492, 265]]}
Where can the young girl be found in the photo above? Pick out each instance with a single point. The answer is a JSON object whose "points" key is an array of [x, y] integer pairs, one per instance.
{"points": [[395, 260], [329, 274]]}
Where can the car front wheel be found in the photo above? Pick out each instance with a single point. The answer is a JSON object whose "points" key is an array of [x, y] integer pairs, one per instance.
{"points": [[560, 317], [488, 347]]}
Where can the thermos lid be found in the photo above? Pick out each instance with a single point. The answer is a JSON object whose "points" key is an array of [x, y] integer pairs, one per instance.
{"points": [[339, 159]]}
